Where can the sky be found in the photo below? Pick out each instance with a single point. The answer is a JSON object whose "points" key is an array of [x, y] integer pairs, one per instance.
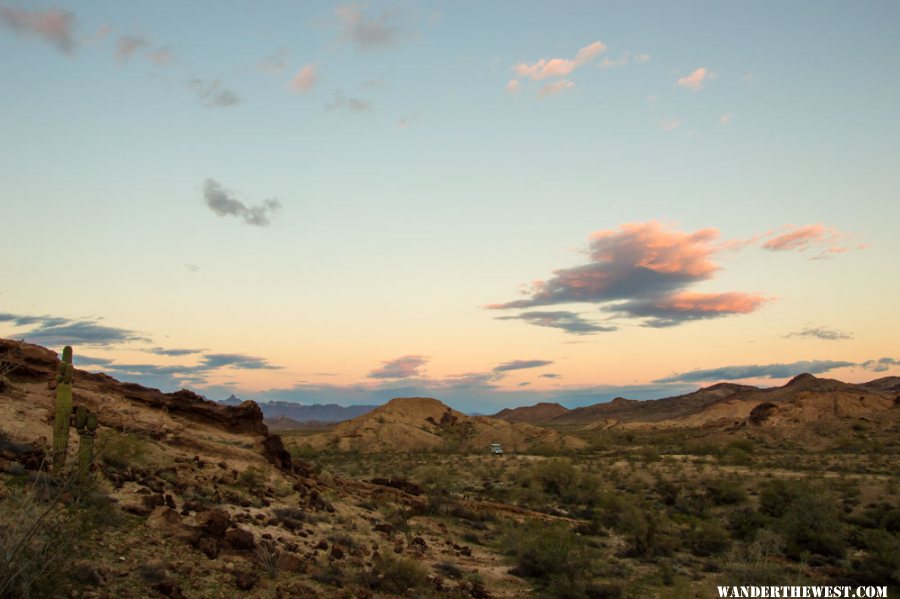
{"points": [[493, 204]]}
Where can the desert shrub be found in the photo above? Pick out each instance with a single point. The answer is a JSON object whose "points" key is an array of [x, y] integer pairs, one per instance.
{"points": [[881, 563], [251, 478], [122, 450], [544, 550], [725, 492], [744, 523], [647, 532], [609, 510], [449, 569], [707, 538], [40, 526], [329, 573], [397, 575], [776, 496], [693, 502], [812, 523]]}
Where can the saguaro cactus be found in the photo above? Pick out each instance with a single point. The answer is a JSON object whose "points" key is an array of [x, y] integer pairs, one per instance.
{"points": [[86, 424], [63, 410]]}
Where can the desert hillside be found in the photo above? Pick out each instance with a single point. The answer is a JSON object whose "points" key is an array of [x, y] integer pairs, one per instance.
{"points": [[420, 423], [803, 402], [538, 413]]}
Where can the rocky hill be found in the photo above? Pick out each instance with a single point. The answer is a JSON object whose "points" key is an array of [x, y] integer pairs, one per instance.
{"points": [[802, 402], [538, 413], [421, 423], [190, 498]]}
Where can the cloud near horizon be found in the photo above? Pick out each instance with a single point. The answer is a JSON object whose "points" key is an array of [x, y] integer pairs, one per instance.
{"points": [[56, 331], [53, 26], [223, 203], [639, 271], [774, 371], [820, 333], [403, 367], [521, 365]]}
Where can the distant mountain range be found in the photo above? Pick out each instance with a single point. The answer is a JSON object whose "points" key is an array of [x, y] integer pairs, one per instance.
{"points": [[303, 413]]}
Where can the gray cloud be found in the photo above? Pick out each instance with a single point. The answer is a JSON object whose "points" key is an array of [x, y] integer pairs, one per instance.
{"points": [[550, 375], [52, 26], [53, 331], [340, 101], [212, 93], [521, 365], [880, 365], [569, 322], [161, 351], [222, 203], [821, 333], [403, 367], [212, 361], [770, 371], [367, 33]]}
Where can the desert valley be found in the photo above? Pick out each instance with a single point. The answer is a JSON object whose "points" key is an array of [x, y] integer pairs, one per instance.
{"points": [[657, 498]]}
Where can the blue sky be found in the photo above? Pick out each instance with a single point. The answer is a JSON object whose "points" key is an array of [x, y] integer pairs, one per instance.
{"points": [[328, 188]]}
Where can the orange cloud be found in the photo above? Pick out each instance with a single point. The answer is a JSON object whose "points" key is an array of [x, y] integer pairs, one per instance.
{"points": [[551, 89], [54, 26], [713, 303]]}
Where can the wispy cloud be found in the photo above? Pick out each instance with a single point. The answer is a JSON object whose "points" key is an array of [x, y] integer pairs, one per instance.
{"points": [[669, 124], [53, 331], [305, 79], [161, 351], [569, 322], [696, 79], [642, 58], [513, 86], [559, 67], [622, 60], [274, 64], [240, 361], [221, 202], [365, 32], [827, 240], [755, 371], [52, 26], [403, 367], [880, 365], [341, 101], [162, 57], [129, 45], [820, 333], [641, 271], [521, 365], [725, 118], [212, 93], [551, 89]]}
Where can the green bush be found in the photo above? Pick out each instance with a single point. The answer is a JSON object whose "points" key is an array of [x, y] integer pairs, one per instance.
{"points": [[707, 538], [812, 523], [542, 550], [397, 575]]}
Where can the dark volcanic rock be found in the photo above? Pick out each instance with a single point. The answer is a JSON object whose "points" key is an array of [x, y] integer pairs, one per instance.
{"points": [[240, 539]]}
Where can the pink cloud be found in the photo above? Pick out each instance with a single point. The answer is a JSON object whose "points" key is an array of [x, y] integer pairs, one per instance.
{"points": [[551, 89], [608, 63], [643, 271], [53, 26], [669, 124], [304, 80], [559, 67], [802, 238], [513, 86], [732, 302], [696, 79], [642, 58]]}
